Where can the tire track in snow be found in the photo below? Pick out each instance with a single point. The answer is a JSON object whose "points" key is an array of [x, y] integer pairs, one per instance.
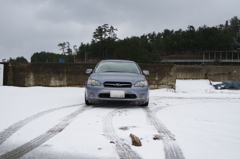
{"points": [[34, 143], [171, 148], [124, 150], [5, 134]]}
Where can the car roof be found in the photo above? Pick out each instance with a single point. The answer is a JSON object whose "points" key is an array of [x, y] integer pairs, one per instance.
{"points": [[117, 61]]}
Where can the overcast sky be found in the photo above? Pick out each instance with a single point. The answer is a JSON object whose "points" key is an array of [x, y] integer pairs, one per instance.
{"points": [[29, 26]]}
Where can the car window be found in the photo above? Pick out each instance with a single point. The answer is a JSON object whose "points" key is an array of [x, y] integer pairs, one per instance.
{"points": [[117, 67]]}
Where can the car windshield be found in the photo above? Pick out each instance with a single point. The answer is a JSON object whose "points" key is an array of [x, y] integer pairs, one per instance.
{"points": [[126, 67]]}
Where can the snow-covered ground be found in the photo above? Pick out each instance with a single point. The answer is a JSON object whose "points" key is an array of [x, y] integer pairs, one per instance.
{"points": [[195, 121]]}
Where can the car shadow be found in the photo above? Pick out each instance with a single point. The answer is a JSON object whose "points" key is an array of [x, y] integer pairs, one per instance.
{"points": [[116, 105]]}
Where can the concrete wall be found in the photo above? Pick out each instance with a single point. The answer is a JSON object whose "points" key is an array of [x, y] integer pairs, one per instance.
{"points": [[69, 74], [213, 73], [161, 76], [47, 74]]}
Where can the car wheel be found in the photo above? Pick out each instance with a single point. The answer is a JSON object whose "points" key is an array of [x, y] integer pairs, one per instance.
{"points": [[86, 101], [145, 104]]}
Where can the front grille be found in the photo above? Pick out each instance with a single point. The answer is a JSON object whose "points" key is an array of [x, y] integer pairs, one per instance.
{"points": [[107, 95], [118, 84]]}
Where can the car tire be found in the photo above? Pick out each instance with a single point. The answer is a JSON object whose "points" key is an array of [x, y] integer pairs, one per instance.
{"points": [[86, 101], [145, 104]]}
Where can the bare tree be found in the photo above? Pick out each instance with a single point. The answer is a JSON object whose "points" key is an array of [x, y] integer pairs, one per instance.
{"points": [[69, 51], [63, 47]]}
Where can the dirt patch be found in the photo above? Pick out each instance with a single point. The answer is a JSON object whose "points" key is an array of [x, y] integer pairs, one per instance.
{"points": [[126, 127]]}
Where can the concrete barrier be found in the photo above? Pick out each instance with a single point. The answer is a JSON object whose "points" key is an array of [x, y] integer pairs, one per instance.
{"points": [[71, 74], [1, 74], [47, 74], [213, 73]]}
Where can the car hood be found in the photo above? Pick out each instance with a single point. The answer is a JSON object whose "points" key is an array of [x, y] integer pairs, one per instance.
{"points": [[117, 77]]}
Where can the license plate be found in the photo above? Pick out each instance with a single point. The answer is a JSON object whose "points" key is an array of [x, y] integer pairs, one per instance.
{"points": [[117, 94]]}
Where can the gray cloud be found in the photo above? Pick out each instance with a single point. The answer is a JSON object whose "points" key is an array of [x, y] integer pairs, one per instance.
{"points": [[29, 26]]}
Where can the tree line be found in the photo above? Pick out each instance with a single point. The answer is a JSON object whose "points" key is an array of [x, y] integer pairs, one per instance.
{"points": [[151, 47]]}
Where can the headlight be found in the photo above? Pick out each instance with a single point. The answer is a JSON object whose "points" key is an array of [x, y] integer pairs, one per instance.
{"points": [[93, 82], [141, 84]]}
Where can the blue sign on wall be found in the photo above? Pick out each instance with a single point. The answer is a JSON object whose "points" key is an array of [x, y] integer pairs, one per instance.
{"points": [[61, 60]]}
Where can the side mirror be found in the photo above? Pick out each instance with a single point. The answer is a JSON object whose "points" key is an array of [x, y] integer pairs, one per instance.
{"points": [[145, 72], [88, 71]]}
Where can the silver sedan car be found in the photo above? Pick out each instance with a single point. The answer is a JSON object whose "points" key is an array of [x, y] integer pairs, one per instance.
{"points": [[117, 80]]}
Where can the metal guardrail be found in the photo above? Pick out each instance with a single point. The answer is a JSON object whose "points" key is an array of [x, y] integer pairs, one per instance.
{"points": [[195, 60], [209, 57]]}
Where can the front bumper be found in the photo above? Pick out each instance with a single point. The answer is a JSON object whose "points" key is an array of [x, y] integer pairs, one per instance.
{"points": [[139, 95]]}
